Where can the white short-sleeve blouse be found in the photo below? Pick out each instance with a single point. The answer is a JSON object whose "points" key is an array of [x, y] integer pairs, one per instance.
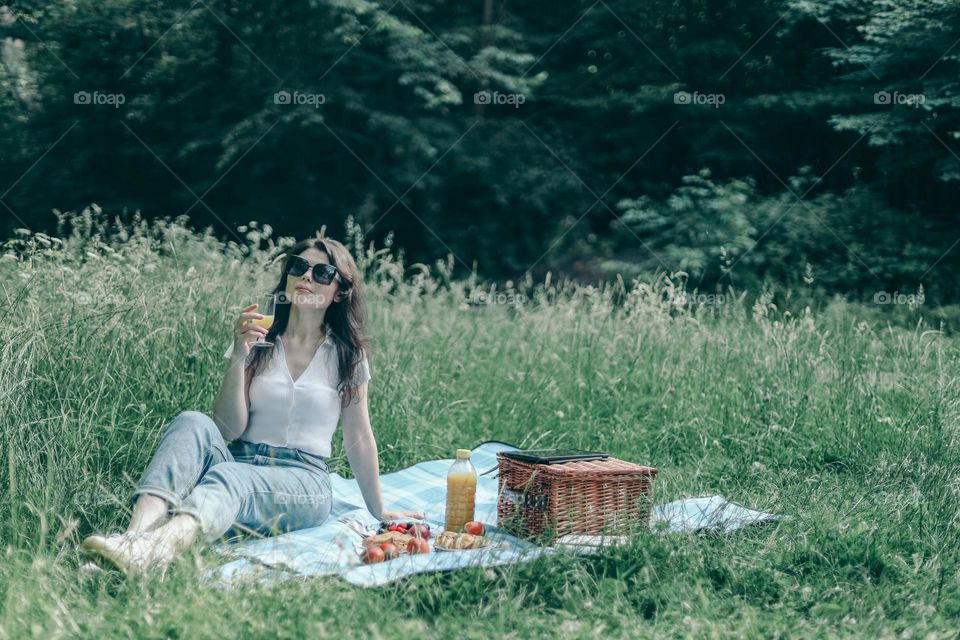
{"points": [[302, 413]]}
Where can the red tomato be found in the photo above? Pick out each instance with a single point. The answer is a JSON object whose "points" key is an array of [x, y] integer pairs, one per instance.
{"points": [[474, 528], [372, 555], [390, 550]]}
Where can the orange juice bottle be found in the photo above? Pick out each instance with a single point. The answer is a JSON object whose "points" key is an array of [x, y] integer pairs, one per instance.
{"points": [[461, 491]]}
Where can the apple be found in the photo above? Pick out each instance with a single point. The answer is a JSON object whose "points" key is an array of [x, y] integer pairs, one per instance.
{"points": [[373, 555], [390, 551], [474, 528], [417, 545], [419, 531]]}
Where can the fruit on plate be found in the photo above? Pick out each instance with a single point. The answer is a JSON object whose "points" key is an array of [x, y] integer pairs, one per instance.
{"points": [[372, 555], [390, 545], [418, 545], [474, 528], [454, 540], [402, 527]]}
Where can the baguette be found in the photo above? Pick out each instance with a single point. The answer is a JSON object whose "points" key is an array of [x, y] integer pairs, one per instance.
{"points": [[394, 537], [453, 540]]}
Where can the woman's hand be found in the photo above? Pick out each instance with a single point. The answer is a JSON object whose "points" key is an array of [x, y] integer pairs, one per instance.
{"points": [[388, 514], [245, 332]]}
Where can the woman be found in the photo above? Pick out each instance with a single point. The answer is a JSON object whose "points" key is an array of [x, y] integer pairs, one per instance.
{"points": [[280, 407]]}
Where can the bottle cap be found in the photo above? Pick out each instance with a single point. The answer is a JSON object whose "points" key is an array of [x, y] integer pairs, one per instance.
{"points": [[463, 453]]}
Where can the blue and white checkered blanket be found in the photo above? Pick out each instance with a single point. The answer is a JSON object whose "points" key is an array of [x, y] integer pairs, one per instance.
{"points": [[333, 548]]}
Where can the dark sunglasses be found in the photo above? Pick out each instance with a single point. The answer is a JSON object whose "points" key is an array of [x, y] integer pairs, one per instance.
{"points": [[322, 273]]}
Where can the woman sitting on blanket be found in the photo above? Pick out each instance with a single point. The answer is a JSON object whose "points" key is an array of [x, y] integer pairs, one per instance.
{"points": [[278, 407]]}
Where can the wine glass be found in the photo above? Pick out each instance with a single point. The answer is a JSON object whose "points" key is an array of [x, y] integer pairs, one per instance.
{"points": [[266, 305]]}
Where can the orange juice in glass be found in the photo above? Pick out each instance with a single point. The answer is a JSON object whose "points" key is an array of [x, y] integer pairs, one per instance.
{"points": [[266, 306], [266, 321], [461, 491]]}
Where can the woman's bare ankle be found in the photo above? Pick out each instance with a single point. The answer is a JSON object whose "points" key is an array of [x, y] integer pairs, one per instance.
{"points": [[149, 513], [144, 526]]}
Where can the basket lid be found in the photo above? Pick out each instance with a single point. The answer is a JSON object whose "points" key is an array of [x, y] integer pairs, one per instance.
{"points": [[610, 466]]}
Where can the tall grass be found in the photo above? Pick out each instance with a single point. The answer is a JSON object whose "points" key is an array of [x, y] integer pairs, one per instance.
{"points": [[844, 422]]}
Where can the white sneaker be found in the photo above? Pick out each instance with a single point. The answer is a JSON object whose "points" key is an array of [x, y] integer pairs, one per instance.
{"points": [[132, 552], [98, 543]]}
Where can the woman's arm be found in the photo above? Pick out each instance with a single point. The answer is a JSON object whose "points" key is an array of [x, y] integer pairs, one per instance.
{"points": [[361, 450], [232, 406]]}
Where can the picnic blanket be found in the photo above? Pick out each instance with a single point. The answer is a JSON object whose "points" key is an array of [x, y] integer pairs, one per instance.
{"points": [[333, 547]]}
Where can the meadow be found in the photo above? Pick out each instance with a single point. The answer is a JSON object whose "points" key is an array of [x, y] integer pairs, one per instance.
{"points": [[831, 414]]}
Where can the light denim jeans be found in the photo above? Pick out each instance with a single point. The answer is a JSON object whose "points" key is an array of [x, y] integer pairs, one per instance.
{"points": [[265, 488]]}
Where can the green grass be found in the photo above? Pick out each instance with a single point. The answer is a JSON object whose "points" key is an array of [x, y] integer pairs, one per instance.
{"points": [[839, 419]]}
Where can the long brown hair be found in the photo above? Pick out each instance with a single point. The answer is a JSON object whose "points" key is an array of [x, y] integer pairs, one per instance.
{"points": [[345, 318]]}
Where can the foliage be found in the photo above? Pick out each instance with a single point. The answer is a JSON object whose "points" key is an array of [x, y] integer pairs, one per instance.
{"points": [[386, 123]]}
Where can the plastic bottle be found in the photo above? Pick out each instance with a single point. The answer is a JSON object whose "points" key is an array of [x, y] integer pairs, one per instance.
{"points": [[461, 491]]}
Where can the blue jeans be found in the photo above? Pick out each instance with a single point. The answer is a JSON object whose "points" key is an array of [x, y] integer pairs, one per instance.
{"points": [[265, 488]]}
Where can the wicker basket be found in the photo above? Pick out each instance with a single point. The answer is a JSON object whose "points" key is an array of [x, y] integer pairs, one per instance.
{"points": [[582, 497]]}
